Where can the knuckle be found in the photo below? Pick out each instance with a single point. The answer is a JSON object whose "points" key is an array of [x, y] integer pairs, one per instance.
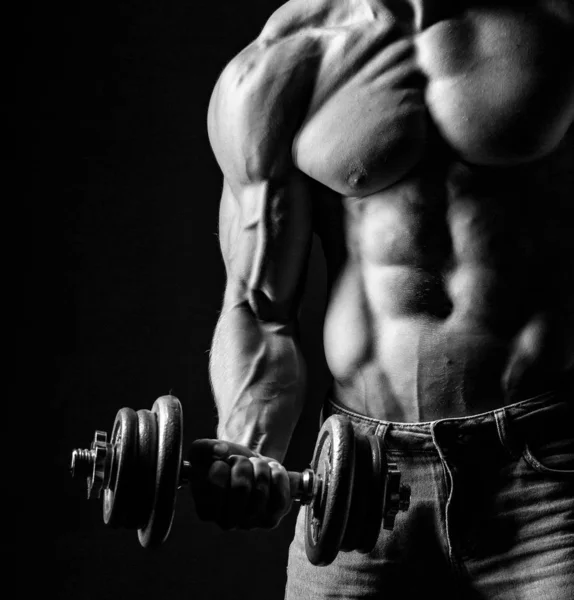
{"points": [[262, 474], [258, 463], [240, 463], [242, 473], [218, 474], [278, 471]]}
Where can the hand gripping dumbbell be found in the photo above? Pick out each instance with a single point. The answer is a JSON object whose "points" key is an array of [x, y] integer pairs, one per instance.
{"points": [[350, 491]]}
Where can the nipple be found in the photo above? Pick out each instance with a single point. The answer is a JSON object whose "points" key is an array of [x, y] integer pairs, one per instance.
{"points": [[357, 178]]}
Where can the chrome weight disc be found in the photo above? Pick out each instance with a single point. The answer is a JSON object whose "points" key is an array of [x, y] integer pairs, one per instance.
{"points": [[334, 464], [168, 412]]}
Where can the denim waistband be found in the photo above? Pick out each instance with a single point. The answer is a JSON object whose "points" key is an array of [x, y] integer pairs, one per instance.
{"points": [[508, 426]]}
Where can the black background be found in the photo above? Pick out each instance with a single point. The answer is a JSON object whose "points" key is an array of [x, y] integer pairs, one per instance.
{"points": [[116, 280]]}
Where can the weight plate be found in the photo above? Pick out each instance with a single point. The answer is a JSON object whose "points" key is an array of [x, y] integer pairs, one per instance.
{"points": [[146, 469], [355, 527], [334, 463], [373, 515], [119, 492], [168, 412]]}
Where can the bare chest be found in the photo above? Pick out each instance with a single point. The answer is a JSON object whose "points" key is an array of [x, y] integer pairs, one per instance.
{"points": [[494, 84]]}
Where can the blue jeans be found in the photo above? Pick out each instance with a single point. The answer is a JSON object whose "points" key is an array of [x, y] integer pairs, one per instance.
{"points": [[491, 515]]}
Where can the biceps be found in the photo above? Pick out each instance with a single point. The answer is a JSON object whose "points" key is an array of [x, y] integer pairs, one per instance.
{"points": [[265, 234]]}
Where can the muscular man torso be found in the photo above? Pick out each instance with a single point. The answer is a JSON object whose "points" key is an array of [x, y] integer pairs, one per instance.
{"points": [[429, 145]]}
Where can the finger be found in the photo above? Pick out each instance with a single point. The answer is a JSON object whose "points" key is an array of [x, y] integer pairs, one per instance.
{"points": [[240, 488], [280, 494], [239, 450], [210, 489], [258, 503], [204, 452], [219, 476]]}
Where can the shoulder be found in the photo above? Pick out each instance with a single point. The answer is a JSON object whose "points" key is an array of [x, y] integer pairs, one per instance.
{"points": [[261, 97], [297, 15], [258, 101]]}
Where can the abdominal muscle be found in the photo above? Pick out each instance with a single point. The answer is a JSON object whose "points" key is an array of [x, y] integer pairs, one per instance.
{"points": [[456, 292], [455, 298]]}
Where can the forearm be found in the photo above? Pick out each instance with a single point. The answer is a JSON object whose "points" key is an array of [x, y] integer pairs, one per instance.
{"points": [[258, 378]]}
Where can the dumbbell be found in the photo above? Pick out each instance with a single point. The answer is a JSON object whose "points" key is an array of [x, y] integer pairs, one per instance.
{"points": [[350, 490]]}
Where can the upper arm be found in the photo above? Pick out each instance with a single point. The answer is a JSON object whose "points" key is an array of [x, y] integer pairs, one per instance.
{"points": [[265, 217], [258, 105]]}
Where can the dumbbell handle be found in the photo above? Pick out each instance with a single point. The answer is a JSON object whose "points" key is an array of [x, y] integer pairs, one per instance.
{"points": [[307, 487], [304, 487]]}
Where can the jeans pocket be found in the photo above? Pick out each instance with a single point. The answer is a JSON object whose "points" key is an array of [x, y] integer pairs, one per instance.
{"points": [[552, 457]]}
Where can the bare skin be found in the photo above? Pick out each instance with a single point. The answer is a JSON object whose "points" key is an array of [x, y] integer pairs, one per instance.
{"points": [[432, 151]]}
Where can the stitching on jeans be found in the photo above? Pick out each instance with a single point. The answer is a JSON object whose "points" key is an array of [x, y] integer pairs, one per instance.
{"points": [[523, 404], [381, 431], [542, 468], [379, 422], [457, 566]]}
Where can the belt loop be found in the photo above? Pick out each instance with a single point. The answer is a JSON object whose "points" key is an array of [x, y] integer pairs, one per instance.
{"points": [[505, 435], [381, 431]]}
